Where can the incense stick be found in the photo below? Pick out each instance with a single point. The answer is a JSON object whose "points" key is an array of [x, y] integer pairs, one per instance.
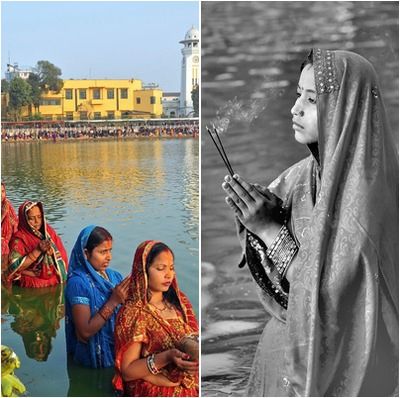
{"points": [[223, 149], [221, 152]]}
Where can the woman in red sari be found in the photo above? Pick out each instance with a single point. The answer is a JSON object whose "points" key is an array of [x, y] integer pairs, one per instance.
{"points": [[154, 320], [9, 222], [37, 254]]}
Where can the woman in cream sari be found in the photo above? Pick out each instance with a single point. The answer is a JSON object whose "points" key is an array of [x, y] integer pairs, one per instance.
{"points": [[322, 242]]}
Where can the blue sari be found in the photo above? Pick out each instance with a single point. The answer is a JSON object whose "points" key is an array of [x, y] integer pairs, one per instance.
{"points": [[85, 286]]}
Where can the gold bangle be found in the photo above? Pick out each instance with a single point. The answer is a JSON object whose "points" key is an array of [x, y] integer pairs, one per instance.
{"points": [[31, 256], [106, 312]]}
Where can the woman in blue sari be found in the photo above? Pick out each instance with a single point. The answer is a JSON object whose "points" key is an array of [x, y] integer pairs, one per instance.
{"points": [[93, 295]]}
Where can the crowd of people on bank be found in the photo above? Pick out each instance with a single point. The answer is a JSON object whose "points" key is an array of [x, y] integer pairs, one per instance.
{"points": [[12, 133], [143, 324]]}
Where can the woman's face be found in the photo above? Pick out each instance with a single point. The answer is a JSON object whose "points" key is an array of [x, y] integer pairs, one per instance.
{"points": [[35, 218], [161, 272], [304, 111], [100, 256]]}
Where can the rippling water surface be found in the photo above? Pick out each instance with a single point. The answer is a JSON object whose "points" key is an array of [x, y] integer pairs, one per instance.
{"points": [[253, 51], [138, 190]]}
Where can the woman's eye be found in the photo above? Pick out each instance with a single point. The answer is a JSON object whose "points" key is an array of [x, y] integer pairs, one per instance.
{"points": [[298, 95], [312, 100]]}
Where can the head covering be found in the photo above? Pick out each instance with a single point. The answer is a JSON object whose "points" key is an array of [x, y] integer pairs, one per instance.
{"points": [[26, 239], [139, 322], [139, 279], [86, 286], [342, 316], [79, 265]]}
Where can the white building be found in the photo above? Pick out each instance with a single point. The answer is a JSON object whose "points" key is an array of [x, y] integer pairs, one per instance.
{"points": [[16, 71], [171, 104], [190, 73]]}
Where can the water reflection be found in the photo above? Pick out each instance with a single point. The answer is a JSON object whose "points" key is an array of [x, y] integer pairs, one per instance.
{"points": [[136, 189], [36, 315]]}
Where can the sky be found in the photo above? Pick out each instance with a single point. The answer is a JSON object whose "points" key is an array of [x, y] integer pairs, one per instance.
{"points": [[100, 39]]}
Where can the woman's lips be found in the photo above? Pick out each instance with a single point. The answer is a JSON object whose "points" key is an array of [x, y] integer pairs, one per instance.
{"points": [[297, 125]]}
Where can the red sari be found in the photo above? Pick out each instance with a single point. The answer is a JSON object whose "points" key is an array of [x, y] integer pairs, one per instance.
{"points": [[48, 269], [9, 222], [138, 322]]}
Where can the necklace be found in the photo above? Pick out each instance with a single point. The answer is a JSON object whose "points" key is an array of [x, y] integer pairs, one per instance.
{"points": [[166, 306]]}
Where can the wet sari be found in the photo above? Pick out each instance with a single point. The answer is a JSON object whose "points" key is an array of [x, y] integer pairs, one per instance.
{"points": [[86, 287], [139, 322], [338, 335], [9, 223], [48, 269]]}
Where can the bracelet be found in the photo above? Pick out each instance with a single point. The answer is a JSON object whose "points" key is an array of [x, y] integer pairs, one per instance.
{"points": [[151, 365], [32, 257], [106, 312], [282, 250]]}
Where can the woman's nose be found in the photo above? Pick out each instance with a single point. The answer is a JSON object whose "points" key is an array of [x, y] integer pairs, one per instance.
{"points": [[296, 110], [167, 274]]}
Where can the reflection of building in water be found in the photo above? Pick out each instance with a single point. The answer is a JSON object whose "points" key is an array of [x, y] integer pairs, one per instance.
{"points": [[190, 170], [37, 314], [122, 171]]}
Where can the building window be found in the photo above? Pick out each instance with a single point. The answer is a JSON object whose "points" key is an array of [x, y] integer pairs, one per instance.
{"points": [[68, 94], [152, 100], [124, 114], [82, 94], [96, 93], [69, 115], [110, 93], [138, 101], [83, 115], [110, 115], [124, 93], [97, 115], [50, 102]]}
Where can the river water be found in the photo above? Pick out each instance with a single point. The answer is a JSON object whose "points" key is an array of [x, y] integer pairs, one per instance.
{"points": [[253, 51], [137, 189]]}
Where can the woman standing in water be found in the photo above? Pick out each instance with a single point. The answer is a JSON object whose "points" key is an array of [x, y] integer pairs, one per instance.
{"points": [[322, 242], [154, 322], [93, 296], [37, 254]]}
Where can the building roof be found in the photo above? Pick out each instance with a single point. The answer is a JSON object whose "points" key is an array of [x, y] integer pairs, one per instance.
{"points": [[191, 35]]}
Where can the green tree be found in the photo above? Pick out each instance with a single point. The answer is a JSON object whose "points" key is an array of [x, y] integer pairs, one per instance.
{"points": [[49, 76], [35, 83], [195, 99], [20, 96], [5, 86]]}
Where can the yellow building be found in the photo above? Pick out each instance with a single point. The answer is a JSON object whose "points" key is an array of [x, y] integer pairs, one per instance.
{"points": [[85, 99]]}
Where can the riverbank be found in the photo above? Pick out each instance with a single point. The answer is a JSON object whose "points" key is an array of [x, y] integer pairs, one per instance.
{"points": [[72, 139]]}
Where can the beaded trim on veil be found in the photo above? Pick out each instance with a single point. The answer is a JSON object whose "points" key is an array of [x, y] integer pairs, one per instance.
{"points": [[325, 71]]}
